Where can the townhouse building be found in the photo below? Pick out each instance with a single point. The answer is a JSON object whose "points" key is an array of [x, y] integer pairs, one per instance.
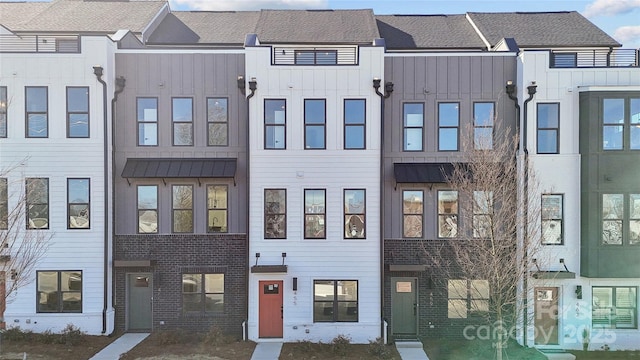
{"points": [[282, 174]]}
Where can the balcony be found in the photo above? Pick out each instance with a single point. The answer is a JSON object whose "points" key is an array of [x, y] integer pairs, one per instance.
{"points": [[39, 44], [599, 58]]}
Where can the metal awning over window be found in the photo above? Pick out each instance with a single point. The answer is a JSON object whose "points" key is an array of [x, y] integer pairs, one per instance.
{"points": [[422, 172], [180, 168]]}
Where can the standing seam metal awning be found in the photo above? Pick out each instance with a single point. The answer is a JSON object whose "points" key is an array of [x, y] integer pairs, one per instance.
{"points": [[180, 168], [422, 172]]}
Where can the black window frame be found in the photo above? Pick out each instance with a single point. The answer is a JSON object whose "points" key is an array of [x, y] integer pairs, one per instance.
{"points": [[30, 204], [275, 125], [442, 216], [177, 209], [470, 295], [547, 217], [273, 212], [354, 125], [478, 126], [309, 125], [140, 210], [28, 113], [335, 301], [59, 293], [540, 129], [71, 113], [360, 217], [175, 123], [320, 214], [213, 206], [202, 293], [406, 215], [214, 122], [71, 219], [610, 125], [442, 127], [406, 128], [4, 116], [141, 121]]}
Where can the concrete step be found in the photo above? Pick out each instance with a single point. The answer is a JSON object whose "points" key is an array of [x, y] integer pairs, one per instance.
{"points": [[408, 344]]}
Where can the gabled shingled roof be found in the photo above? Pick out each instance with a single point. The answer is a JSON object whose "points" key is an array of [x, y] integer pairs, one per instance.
{"points": [[205, 27], [428, 32], [92, 16], [12, 14], [544, 29], [317, 26]]}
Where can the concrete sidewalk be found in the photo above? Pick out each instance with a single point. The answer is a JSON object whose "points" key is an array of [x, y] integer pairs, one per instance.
{"points": [[267, 351], [122, 344], [411, 350]]}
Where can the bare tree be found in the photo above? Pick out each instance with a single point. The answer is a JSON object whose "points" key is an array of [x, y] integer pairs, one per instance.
{"points": [[21, 248], [493, 240]]}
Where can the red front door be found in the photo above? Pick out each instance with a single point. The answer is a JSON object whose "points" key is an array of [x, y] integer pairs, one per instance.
{"points": [[270, 309]]}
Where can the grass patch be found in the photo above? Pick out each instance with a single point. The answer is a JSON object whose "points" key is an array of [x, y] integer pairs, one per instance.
{"points": [[447, 349]]}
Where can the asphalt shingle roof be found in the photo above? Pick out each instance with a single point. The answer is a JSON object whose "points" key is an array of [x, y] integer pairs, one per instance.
{"points": [[428, 32], [92, 16], [317, 26], [12, 14], [204, 27], [544, 29]]}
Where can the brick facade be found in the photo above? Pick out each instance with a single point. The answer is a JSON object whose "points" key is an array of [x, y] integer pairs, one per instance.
{"points": [[171, 256]]}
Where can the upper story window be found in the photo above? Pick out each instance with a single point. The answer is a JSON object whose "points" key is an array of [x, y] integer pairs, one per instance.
{"points": [[218, 122], [275, 123], [482, 213], [37, 191], [147, 209], [315, 120], [4, 104], [483, 125], [78, 204], [182, 205], [548, 124], [615, 307], [314, 214], [217, 208], [182, 119], [59, 292], [634, 120], [618, 224], [275, 213], [37, 112], [316, 57], [412, 213], [447, 214], [552, 219], [619, 117], [4, 204], [147, 109], [77, 112], [354, 123], [448, 123], [354, 213], [413, 115]]}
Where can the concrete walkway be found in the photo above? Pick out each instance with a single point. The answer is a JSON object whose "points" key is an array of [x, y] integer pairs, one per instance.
{"points": [[411, 350], [122, 344], [267, 351]]}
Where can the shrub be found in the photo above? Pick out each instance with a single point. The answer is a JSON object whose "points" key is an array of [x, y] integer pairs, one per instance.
{"points": [[378, 349], [71, 335], [17, 334], [340, 344], [216, 337], [47, 337], [170, 337], [306, 346]]}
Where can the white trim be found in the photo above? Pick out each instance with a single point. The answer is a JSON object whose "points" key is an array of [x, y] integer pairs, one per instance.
{"points": [[452, 54], [473, 25], [609, 88], [179, 51]]}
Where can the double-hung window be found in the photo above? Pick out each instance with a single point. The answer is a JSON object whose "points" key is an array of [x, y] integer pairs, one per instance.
{"points": [[615, 307], [448, 123], [413, 115], [552, 219], [314, 214], [354, 123], [548, 124], [182, 205], [218, 122], [482, 214], [613, 124], [147, 209], [315, 121], [447, 214], [275, 213], [37, 112], [182, 119], [619, 226], [483, 125], [37, 191], [59, 291], [412, 213], [217, 208], [634, 121], [203, 293], [275, 123], [467, 297], [77, 112], [4, 204], [354, 213], [335, 301], [78, 204], [147, 110], [3, 111]]}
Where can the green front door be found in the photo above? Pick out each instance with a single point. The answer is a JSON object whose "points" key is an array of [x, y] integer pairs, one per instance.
{"points": [[140, 291], [404, 306]]}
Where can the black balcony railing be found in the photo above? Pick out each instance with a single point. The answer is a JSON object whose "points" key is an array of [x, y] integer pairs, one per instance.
{"points": [[40, 44], [595, 58]]}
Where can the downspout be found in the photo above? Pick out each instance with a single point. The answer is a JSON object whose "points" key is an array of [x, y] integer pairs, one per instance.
{"points": [[98, 71], [120, 84], [253, 86], [388, 86]]}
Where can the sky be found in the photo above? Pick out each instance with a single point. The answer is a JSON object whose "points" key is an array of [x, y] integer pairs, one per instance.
{"points": [[618, 18]]}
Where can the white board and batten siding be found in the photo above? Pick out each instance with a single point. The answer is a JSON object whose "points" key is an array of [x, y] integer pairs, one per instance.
{"points": [[333, 169], [59, 158], [563, 86]]}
